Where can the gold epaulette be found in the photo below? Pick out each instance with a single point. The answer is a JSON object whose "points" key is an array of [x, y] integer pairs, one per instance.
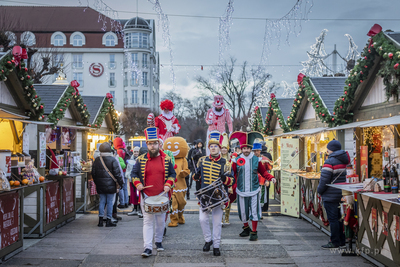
{"points": [[200, 161]]}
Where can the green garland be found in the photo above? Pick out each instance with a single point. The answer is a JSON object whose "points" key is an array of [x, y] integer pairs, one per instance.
{"points": [[306, 90], [59, 111], [7, 65], [107, 107], [258, 123], [274, 107], [389, 71]]}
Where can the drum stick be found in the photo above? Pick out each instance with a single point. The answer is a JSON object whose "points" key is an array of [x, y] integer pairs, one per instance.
{"points": [[147, 186]]}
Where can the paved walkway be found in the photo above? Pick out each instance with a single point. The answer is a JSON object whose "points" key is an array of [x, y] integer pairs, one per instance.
{"points": [[282, 241]]}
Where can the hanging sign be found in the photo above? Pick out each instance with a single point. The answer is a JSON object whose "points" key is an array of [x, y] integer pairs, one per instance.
{"points": [[68, 195], [9, 218], [52, 201]]}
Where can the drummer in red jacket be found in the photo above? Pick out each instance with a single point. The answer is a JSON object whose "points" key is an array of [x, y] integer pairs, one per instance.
{"points": [[153, 174], [209, 169]]}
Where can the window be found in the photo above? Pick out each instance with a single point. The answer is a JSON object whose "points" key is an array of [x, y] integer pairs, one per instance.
{"points": [[58, 59], [144, 78], [78, 76], [113, 96], [134, 99], [77, 61], [112, 82], [144, 97], [28, 38], [144, 60], [125, 97], [58, 39], [112, 64], [134, 79], [11, 37], [77, 39], [125, 79], [137, 40], [134, 57], [110, 39]]}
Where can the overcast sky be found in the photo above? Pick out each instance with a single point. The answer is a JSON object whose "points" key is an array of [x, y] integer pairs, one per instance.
{"points": [[195, 40]]}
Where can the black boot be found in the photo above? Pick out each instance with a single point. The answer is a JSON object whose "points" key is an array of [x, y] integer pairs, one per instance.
{"points": [[207, 246], [246, 231], [110, 223], [217, 252], [100, 222]]}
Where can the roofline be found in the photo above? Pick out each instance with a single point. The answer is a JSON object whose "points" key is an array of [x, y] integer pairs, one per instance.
{"points": [[8, 52], [98, 111], [59, 97], [391, 39], [312, 84]]}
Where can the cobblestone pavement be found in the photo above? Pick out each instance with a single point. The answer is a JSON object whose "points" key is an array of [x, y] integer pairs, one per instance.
{"points": [[283, 241]]}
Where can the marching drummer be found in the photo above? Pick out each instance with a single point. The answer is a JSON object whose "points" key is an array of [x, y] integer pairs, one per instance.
{"points": [[210, 169], [153, 175]]}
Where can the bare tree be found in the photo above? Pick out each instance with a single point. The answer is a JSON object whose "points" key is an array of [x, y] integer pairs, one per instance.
{"points": [[239, 93], [134, 120], [180, 104]]}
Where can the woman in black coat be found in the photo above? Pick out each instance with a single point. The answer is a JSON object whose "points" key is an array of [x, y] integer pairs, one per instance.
{"points": [[105, 185]]}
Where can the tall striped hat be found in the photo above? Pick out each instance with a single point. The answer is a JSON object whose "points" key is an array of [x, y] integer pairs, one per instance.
{"points": [[151, 134]]}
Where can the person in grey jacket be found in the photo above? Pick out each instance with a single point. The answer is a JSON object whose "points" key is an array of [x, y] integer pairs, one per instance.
{"points": [[333, 172]]}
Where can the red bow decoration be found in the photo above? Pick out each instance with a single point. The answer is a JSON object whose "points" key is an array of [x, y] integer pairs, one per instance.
{"points": [[18, 55], [273, 96], [256, 108], [109, 97], [300, 78], [241, 162], [374, 31], [75, 84]]}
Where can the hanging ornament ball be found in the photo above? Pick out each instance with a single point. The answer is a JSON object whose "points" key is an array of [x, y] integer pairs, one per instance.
{"points": [[349, 84], [300, 97], [95, 125], [341, 107], [343, 99], [361, 72], [61, 109], [345, 92], [396, 66], [28, 77], [84, 105], [83, 111], [43, 116], [40, 118], [298, 101], [333, 119], [334, 113], [65, 105], [36, 96], [313, 99], [37, 108], [34, 105], [365, 57], [390, 55], [26, 87], [22, 78], [323, 115], [317, 106], [366, 66], [369, 50], [79, 105], [58, 119], [85, 116], [361, 81], [41, 106], [33, 100]]}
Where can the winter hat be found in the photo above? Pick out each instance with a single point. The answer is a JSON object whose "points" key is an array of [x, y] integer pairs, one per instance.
{"points": [[334, 145], [105, 147], [136, 149], [257, 146]]}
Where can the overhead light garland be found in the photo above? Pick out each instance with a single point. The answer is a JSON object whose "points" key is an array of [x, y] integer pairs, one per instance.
{"points": [[288, 91], [225, 23]]}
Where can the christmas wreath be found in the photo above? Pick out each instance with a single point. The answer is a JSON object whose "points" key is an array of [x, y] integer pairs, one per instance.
{"points": [[274, 107], [58, 112], [306, 90], [13, 62], [378, 46], [107, 107]]}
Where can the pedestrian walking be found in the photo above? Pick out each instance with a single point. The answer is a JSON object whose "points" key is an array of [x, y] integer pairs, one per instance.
{"points": [[107, 176]]}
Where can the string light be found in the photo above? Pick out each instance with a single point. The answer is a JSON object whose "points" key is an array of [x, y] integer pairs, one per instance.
{"points": [[163, 20], [225, 23], [289, 91]]}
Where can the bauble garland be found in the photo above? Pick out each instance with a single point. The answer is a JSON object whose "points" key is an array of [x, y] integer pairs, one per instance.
{"points": [[273, 107], [107, 107]]}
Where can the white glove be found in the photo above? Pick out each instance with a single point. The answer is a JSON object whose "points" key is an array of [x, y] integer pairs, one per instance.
{"points": [[273, 180], [209, 122]]}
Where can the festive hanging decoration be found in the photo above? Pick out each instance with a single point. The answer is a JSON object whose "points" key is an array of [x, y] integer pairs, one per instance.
{"points": [[107, 107], [378, 46], [307, 91], [225, 23], [291, 23], [72, 93], [163, 20], [9, 64], [288, 91], [273, 107], [257, 125]]}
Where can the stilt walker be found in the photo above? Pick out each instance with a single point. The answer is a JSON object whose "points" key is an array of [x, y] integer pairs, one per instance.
{"points": [[232, 188], [246, 168], [217, 117], [166, 122]]}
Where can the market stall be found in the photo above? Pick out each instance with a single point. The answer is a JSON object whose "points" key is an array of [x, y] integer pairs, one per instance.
{"points": [[20, 106], [104, 127], [69, 116]]}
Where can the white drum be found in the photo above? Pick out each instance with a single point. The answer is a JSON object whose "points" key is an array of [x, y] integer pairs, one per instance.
{"points": [[156, 204]]}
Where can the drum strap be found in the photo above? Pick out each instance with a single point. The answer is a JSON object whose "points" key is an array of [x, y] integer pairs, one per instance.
{"points": [[109, 173]]}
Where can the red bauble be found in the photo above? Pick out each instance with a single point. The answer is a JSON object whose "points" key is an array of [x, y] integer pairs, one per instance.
{"points": [[390, 55], [61, 109], [365, 57], [333, 119], [349, 84], [341, 107], [41, 106], [323, 115], [345, 92], [396, 66], [26, 69], [84, 105], [361, 81], [312, 94], [316, 102], [369, 50], [334, 113], [365, 66], [28, 77], [95, 125], [312, 99], [35, 96], [317, 106], [65, 105], [343, 99], [361, 72]]}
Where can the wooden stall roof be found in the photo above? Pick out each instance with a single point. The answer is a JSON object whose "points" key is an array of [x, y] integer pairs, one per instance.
{"points": [[329, 89], [50, 95], [285, 104], [94, 105]]}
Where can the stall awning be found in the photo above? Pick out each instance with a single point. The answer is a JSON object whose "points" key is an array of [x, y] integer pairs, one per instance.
{"points": [[305, 131], [8, 115], [383, 122], [35, 122], [351, 125]]}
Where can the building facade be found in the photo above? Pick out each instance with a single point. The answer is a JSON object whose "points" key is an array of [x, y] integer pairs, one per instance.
{"points": [[125, 64]]}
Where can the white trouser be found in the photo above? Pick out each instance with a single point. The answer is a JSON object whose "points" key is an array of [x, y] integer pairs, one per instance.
{"points": [[149, 220], [249, 208], [217, 225]]}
